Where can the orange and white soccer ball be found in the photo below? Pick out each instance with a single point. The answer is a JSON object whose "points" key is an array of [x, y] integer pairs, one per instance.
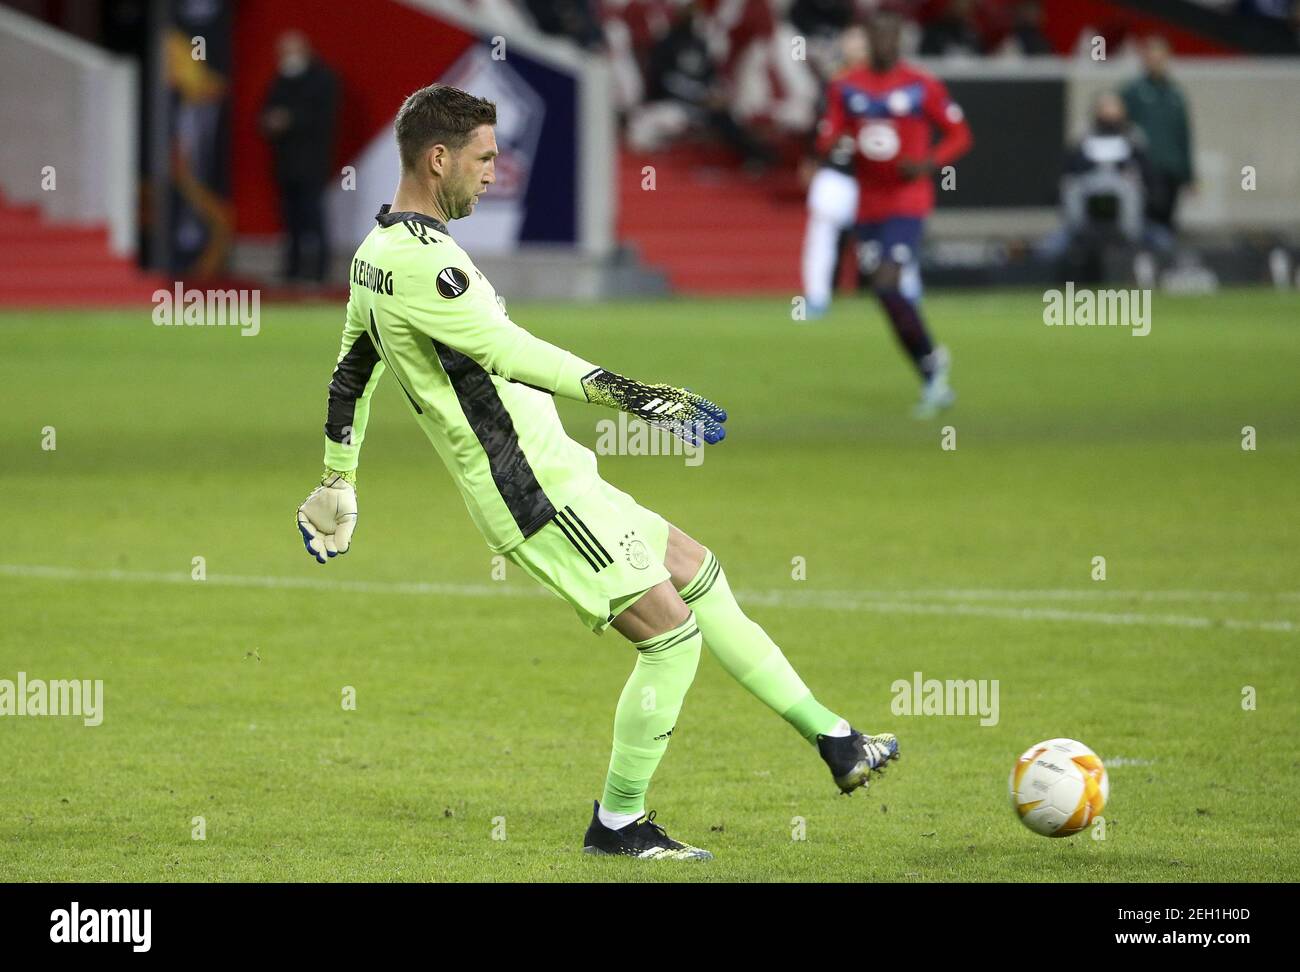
{"points": [[1058, 787]]}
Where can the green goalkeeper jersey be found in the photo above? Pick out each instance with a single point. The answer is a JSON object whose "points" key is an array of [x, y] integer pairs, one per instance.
{"points": [[479, 385]]}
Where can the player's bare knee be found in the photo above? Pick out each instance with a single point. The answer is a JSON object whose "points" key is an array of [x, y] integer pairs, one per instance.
{"points": [[658, 611], [683, 558]]}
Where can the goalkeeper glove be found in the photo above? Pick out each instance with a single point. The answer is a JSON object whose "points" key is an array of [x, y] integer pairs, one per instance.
{"points": [[328, 516], [686, 415]]}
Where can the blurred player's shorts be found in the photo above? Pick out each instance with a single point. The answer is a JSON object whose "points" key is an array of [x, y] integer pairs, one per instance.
{"points": [[600, 553], [897, 239]]}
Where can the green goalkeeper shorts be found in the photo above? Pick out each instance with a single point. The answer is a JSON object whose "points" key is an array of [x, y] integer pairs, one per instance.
{"points": [[600, 553]]}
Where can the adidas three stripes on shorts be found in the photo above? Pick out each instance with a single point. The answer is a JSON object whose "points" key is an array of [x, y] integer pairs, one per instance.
{"points": [[600, 553]]}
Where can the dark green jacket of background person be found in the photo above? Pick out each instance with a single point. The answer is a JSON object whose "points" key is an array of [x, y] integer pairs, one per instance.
{"points": [[1158, 109]]}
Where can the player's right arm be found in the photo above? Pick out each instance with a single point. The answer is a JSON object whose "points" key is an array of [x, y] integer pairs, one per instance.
{"points": [[356, 373], [328, 516], [458, 311]]}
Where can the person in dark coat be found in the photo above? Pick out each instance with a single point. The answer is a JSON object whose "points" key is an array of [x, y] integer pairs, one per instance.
{"points": [[298, 118], [955, 31], [1156, 105], [1027, 35]]}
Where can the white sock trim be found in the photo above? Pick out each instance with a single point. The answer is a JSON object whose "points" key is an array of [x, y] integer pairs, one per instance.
{"points": [[617, 821], [842, 728]]}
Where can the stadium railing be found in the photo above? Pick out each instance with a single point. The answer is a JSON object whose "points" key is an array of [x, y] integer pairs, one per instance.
{"points": [[68, 111]]}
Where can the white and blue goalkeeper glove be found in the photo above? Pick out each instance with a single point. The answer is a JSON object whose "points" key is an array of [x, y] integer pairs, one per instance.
{"points": [[690, 417], [328, 516]]}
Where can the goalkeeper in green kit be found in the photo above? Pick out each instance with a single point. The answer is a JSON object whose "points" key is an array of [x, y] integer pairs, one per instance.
{"points": [[482, 388]]}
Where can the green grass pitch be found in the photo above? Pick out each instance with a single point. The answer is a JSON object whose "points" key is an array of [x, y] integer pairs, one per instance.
{"points": [[483, 710]]}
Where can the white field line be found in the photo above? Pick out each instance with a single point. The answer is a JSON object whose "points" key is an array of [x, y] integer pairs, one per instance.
{"points": [[1100, 592], [852, 602], [299, 583], [879, 602]]}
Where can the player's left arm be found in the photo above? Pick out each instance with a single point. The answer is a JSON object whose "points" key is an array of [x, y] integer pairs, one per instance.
{"points": [[955, 138], [454, 307], [469, 320]]}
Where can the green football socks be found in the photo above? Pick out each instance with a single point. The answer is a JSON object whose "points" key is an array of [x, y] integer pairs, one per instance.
{"points": [[750, 656], [647, 713]]}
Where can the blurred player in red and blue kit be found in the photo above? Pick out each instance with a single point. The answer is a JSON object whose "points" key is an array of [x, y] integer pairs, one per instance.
{"points": [[888, 112]]}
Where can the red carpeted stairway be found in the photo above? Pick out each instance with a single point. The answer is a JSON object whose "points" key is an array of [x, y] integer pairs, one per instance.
{"points": [[58, 265], [710, 227]]}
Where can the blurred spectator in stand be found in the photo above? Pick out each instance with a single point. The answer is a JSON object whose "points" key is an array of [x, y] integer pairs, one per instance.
{"points": [[298, 119], [1027, 37], [821, 18], [1284, 13], [954, 32], [1272, 9], [577, 20], [631, 29], [822, 23], [1155, 104], [1103, 195], [685, 91], [767, 66]]}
